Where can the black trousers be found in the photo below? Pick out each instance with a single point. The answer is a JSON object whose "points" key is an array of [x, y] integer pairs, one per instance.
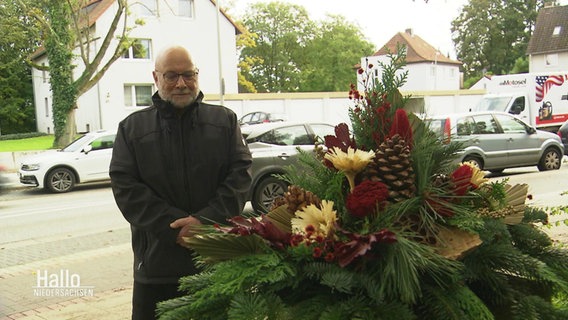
{"points": [[146, 296]]}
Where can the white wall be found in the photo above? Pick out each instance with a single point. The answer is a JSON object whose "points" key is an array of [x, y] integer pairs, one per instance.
{"points": [[556, 62], [423, 76], [104, 103]]}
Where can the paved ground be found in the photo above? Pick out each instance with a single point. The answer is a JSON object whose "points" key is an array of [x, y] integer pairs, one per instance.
{"points": [[102, 261]]}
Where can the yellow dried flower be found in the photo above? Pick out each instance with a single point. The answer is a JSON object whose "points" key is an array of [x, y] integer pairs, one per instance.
{"points": [[320, 221], [351, 162], [477, 176]]}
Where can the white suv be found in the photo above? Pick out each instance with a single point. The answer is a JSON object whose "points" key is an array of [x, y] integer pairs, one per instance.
{"points": [[495, 141], [86, 159]]}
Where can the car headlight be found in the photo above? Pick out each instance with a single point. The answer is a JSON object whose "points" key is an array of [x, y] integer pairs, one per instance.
{"points": [[30, 167]]}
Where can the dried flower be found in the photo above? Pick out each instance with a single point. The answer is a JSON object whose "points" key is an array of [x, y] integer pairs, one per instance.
{"points": [[351, 162], [366, 198], [321, 220], [466, 177]]}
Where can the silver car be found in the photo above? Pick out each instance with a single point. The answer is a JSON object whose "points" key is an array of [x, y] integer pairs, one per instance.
{"points": [[274, 147], [495, 141]]}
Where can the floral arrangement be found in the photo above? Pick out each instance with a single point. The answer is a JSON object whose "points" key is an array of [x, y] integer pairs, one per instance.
{"points": [[380, 222]]}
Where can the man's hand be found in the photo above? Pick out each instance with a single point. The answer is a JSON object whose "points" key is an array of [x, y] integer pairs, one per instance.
{"points": [[185, 225]]}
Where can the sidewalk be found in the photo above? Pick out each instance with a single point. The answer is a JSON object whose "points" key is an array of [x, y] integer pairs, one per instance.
{"points": [[107, 269], [110, 305]]}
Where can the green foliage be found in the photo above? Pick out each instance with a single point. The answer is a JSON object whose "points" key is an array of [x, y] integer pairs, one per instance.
{"points": [[281, 50], [18, 40], [480, 42], [381, 98], [344, 45], [311, 174], [457, 302]]}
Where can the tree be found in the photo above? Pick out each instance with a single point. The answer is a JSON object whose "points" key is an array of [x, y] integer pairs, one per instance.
{"points": [[490, 35], [16, 92], [330, 57], [290, 53], [66, 31], [283, 31]]}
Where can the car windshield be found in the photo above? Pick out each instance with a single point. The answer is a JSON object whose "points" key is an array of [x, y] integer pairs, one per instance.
{"points": [[76, 145], [493, 104]]}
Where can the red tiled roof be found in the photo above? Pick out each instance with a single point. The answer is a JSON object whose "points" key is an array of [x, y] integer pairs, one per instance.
{"points": [[417, 50]]}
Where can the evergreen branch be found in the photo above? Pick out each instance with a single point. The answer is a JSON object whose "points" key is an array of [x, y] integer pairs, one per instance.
{"points": [[215, 247], [454, 303]]}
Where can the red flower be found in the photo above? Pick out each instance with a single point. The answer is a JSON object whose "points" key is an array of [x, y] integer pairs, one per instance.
{"points": [[316, 252], [461, 178], [366, 197], [401, 126]]}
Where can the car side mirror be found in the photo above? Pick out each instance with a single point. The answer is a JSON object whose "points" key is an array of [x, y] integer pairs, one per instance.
{"points": [[531, 130], [87, 149]]}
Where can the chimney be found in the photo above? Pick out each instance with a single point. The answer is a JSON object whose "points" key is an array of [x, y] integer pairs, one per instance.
{"points": [[408, 31]]}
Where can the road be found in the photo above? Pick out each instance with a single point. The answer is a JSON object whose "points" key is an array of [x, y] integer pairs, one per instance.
{"points": [[84, 232]]}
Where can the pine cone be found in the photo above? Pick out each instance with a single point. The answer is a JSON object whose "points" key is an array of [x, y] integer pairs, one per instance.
{"points": [[392, 166], [296, 199]]}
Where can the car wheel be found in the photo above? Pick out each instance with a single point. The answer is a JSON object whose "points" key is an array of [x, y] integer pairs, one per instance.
{"points": [[60, 180], [475, 161], [551, 160], [267, 190]]}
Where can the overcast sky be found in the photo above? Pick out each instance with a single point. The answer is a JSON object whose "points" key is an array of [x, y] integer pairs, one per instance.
{"points": [[380, 20]]}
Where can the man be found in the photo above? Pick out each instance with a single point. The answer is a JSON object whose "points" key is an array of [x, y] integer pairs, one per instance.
{"points": [[175, 165]]}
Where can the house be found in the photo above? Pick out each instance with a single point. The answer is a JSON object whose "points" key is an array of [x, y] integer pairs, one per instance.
{"points": [[428, 69], [128, 84], [548, 46]]}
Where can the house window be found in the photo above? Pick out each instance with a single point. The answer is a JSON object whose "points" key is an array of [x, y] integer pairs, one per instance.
{"points": [[137, 95], [557, 30], [551, 59], [147, 8], [186, 8], [46, 105], [140, 49]]}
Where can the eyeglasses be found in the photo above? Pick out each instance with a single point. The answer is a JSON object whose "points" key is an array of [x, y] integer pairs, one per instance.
{"points": [[171, 77]]}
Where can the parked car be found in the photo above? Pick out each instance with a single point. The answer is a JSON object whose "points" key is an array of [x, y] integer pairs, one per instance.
{"points": [[495, 141], [274, 147], [3, 178], [86, 159], [261, 117], [563, 134]]}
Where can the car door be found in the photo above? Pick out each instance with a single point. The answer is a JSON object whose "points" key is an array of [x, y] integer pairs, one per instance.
{"points": [[523, 148], [93, 164], [490, 140]]}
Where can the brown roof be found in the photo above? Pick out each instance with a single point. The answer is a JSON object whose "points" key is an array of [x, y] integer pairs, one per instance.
{"points": [[417, 50], [543, 40]]}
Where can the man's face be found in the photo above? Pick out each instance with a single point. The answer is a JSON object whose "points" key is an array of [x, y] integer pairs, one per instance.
{"points": [[176, 78]]}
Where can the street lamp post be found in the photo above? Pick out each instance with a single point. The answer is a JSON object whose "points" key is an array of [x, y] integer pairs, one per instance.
{"points": [[220, 60]]}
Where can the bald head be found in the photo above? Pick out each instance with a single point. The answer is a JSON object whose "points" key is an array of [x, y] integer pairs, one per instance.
{"points": [[173, 61], [174, 54]]}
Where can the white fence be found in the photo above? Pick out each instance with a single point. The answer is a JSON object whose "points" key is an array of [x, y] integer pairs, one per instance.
{"points": [[333, 107]]}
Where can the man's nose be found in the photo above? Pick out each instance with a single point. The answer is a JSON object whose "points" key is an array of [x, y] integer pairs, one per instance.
{"points": [[180, 82]]}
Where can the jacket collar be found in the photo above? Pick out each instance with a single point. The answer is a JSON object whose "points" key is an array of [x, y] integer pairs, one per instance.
{"points": [[170, 110]]}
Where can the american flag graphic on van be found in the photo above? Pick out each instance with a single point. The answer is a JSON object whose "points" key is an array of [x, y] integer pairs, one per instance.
{"points": [[544, 83]]}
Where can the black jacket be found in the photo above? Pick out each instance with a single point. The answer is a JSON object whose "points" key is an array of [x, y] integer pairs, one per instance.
{"points": [[166, 167]]}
